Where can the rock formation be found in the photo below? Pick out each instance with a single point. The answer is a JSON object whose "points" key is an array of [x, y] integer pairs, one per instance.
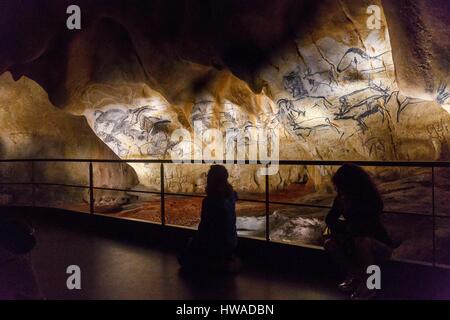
{"points": [[334, 79]]}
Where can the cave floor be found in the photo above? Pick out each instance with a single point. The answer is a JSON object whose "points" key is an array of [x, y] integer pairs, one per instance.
{"points": [[409, 193], [117, 268]]}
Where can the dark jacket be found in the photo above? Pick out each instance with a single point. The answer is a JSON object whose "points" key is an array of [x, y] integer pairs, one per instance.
{"points": [[362, 219], [217, 230]]}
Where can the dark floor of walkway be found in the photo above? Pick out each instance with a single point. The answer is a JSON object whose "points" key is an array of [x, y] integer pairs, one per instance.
{"points": [[121, 270], [113, 267]]}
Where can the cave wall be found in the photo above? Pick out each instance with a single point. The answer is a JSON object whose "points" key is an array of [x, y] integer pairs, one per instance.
{"points": [[310, 71], [421, 43], [32, 128]]}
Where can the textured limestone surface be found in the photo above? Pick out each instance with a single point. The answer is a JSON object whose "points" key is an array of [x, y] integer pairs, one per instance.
{"points": [[421, 42], [32, 128]]}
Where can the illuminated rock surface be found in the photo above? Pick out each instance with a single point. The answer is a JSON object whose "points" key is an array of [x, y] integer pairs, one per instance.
{"points": [[311, 71], [33, 128]]}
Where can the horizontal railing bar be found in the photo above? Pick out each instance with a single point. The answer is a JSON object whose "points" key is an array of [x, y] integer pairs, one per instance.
{"points": [[412, 213], [300, 204], [251, 200], [426, 164], [44, 184], [125, 190], [16, 183], [185, 195], [60, 185]]}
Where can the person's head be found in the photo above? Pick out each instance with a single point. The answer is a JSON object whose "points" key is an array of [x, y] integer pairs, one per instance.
{"points": [[353, 182], [217, 182]]}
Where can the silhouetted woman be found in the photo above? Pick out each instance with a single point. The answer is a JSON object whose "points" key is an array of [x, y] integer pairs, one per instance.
{"points": [[358, 238], [214, 245]]}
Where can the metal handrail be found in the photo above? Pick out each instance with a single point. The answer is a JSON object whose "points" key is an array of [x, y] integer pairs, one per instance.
{"points": [[411, 164]]}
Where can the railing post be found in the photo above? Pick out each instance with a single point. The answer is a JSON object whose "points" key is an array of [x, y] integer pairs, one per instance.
{"points": [[33, 188], [433, 210], [163, 213], [91, 188], [267, 204]]}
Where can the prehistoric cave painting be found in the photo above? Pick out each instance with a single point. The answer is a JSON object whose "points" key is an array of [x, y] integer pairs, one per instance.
{"points": [[234, 123], [296, 113], [228, 119], [293, 109], [137, 128], [203, 115], [312, 102], [236, 138], [294, 117], [376, 147], [288, 109], [240, 137], [439, 130], [141, 115], [320, 78], [114, 143], [358, 60], [293, 84], [231, 116], [402, 104], [158, 144], [362, 103], [442, 93], [113, 117], [294, 81], [232, 139], [248, 126], [305, 128], [316, 91]]}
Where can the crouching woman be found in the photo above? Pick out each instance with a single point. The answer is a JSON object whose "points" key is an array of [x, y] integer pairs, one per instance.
{"points": [[357, 236]]}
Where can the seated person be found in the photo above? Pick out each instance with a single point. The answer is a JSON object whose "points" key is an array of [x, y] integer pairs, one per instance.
{"points": [[215, 242], [359, 239]]}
